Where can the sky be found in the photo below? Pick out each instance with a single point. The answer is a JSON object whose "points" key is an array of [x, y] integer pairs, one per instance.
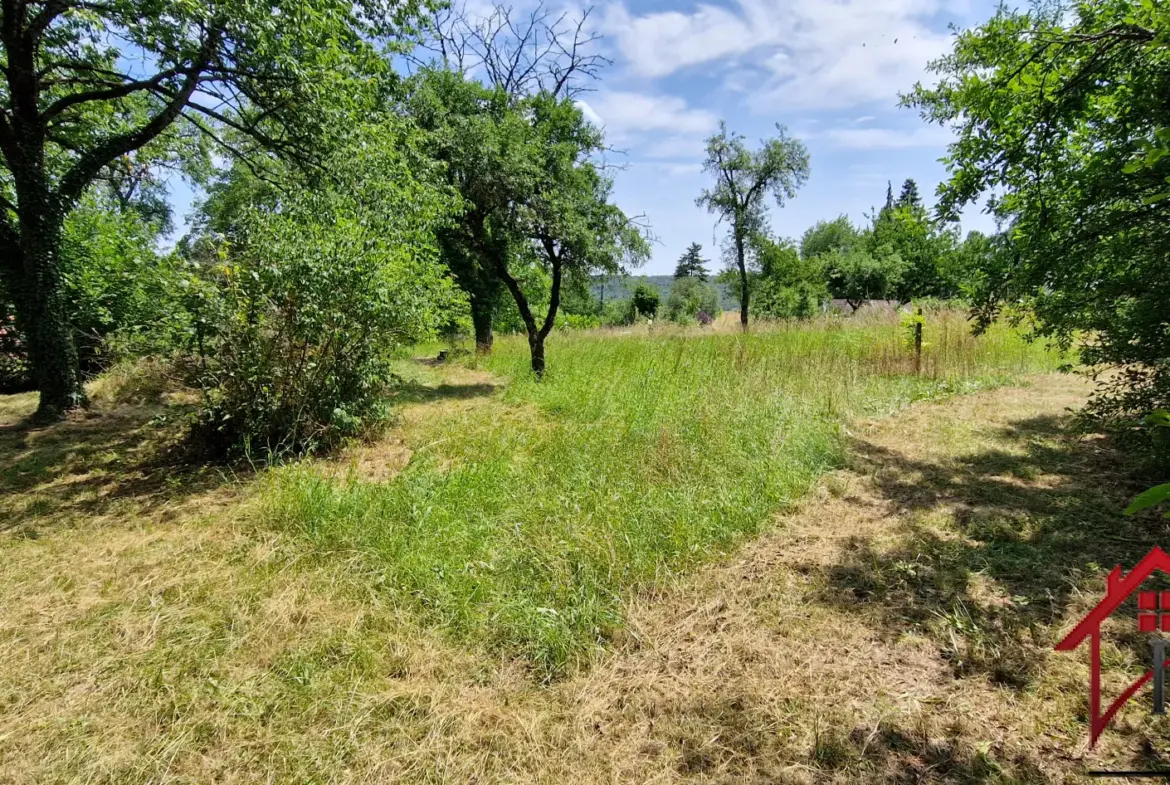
{"points": [[830, 71]]}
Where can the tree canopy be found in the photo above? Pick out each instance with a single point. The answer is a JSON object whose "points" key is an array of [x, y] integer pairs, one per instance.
{"points": [[743, 180], [1062, 125]]}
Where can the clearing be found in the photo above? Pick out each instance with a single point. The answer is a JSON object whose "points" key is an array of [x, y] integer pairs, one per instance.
{"points": [[894, 626]]}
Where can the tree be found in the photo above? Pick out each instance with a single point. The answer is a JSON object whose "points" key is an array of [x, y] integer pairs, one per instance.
{"points": [[743, 179], [688, 298], [1060, 117], [71, 106], [826, 236], [908, 231], [857, 274], [692, 264], [909, 196], [517, 56], [645, 300], [788, 285], [530, 193]]}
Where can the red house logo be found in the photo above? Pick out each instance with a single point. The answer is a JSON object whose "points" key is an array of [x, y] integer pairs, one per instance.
{"points": [[1153, 615]]}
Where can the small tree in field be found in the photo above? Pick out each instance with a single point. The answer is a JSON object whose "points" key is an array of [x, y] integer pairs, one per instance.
{"points": [[743, 179], [645, 300], [88, 83]]}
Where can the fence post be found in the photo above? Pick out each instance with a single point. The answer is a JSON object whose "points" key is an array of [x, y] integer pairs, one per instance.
{"points": [[918, 343]]}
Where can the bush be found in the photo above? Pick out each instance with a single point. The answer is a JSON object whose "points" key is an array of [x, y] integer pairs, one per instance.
{"points": [[689, 296], [618, 313], [294, 335], [645, 300], [115, 281]]}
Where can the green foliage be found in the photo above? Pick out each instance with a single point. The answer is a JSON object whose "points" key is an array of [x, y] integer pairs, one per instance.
{"points": [[115, 281], [857, 274], [98, 89], [786, 286], [619, 313], [743, 180], [1060, 118], [531, 194], [690, 296], [825, 237], [295, 331], [645, 300], [692, 264]]}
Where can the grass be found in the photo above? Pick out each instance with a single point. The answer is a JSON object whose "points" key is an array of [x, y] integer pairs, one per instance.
{"points": [[520, 527], [170, 623]]}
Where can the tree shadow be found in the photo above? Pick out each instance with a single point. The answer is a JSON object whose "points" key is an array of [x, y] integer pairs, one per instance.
{"points": [[413, 392], [130, 457], [1037, 521]]}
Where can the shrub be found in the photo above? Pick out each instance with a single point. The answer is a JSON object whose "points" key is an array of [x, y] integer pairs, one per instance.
{"points": [[689, 296], [294, 335], [645, 300], [618, 313]]}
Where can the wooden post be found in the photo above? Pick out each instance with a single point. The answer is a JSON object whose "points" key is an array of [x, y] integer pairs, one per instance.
{"points": [[918, 343]]}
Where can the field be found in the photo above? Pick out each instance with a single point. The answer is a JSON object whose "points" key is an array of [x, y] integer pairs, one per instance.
{"points": [[783, 556]]}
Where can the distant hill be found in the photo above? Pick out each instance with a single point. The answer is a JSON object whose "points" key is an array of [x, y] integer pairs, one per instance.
{"points": [[617, 287]]}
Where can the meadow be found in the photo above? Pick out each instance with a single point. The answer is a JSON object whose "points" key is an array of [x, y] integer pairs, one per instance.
{"points": [[685, 554], [521, 524]]}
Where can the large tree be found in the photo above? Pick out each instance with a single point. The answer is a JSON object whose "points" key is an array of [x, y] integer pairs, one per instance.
{"points": [[743, 180], [530, 191], [1062, 119], [86, 84], [517, 55]]}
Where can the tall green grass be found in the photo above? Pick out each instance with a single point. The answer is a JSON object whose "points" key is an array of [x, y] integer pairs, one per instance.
{"points": [[519, 524]]}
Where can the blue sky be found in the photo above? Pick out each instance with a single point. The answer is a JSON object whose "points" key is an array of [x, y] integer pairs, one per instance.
{"points": [[829, 70]]}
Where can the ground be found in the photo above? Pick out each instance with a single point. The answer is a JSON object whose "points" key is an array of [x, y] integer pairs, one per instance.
{"points": [[897, 627]]}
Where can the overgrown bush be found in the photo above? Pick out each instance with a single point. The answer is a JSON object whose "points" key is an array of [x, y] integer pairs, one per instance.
{"points": [[618, 313], [294, 334], [689, 296]]}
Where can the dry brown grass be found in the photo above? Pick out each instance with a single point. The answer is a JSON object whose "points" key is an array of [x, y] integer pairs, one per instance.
{"points": [[879, 634]]}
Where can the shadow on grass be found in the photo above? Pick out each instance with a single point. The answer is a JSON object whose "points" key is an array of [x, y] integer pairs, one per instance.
{"points": [[412, 392], [1039, 518], [84, 465]]}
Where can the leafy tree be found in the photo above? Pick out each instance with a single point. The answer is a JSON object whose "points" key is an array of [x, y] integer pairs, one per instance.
{"points": [[645, 300], [743, 179], [692, 264], [857, 274], [788, 285], [909, 232], [688, 298], [515, 57], [530, 193], [71, 105], [1061, 118], [827, 236]]}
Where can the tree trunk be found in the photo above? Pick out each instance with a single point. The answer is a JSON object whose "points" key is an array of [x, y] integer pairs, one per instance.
{"points": [[743, 282], [536, 348], [41, 311], [481, 318]]}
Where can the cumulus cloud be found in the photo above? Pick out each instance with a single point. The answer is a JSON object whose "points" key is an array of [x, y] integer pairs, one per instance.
{"points": [[631, 112], [809, 55]]}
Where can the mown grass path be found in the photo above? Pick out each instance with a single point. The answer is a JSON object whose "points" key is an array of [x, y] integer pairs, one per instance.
{"points": [[895, 628]]}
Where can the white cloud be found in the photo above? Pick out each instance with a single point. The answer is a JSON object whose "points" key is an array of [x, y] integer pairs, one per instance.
{"points": [[889, 138], [865, 119], [629, 112], [808, 55]]}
